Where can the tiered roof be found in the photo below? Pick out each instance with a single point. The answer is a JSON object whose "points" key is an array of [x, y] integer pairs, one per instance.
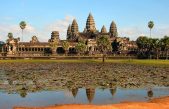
{"points": [[90, 23], [103, 30], [113, 29], [74, 27]]}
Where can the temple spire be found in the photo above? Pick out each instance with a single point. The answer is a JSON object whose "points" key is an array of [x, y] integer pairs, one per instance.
{"points": [[54, 36], [74, 92], [113, 30], [103, 30], [69, 32], [90, 24], [69, 29], [74, 27], [90, 94]]}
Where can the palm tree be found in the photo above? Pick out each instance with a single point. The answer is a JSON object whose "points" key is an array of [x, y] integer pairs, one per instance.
{"points": [[65, 45], [22, 26], [103, 45], [150, 25], [10, 35]]}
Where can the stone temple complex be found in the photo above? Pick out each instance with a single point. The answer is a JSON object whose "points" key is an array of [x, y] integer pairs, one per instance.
{"points": [[54, 46]]}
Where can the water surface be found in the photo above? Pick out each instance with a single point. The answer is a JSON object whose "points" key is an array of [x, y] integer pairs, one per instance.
{"points": [[83, 96], [45, 84]]}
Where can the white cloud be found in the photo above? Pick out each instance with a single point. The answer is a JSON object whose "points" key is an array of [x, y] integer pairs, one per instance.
{"points": [[15, 29], [60, 25], [43, 34], [134, 32]]}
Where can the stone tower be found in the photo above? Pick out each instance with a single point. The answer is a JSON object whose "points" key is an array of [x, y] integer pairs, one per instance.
{"points": [[34, 39], [73, 31], [113, 30], [54, 36], [103, 30], [74, 27], [69, 32], [90, 24]]}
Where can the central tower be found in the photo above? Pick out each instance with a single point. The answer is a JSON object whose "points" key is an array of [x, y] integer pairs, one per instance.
{"points": [[90, 24]]}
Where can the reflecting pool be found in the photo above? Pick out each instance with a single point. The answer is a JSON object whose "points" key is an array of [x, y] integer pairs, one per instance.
{"points": [[45, 84]]}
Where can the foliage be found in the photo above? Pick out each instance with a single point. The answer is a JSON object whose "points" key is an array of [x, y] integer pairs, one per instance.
{"points": [[10, 35], [149, 47], [80, 47], [22, 25], [150, 24], [165, 42], [65, 45], [115, 46], [142, 42], [165, 45], [103, 44]]}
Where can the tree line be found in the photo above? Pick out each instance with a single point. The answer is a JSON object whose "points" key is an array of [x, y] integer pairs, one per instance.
{"points": [[149, 48]]}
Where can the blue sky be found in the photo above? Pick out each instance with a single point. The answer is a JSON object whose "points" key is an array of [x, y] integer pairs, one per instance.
{"points": [[44, 16]]}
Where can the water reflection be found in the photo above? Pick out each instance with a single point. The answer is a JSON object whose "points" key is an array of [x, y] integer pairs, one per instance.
{"points": [[23, 92], [78, 96], [90, 94], [74, 92], [113, 91], [150, 93]]}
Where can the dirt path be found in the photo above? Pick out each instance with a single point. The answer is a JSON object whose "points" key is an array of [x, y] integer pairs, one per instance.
{"points": [[159, 103]]}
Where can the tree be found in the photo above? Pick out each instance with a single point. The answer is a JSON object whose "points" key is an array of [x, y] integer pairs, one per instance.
{"points": [[103, 45], [80, 47], [150, 25], [165, 45], [148, 47], [156, 47], [143, 44], [115, 46], [65, 45], [22, 26], [10, 35]]}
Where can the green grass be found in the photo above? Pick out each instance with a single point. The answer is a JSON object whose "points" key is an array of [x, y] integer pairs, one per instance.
{"points": [[126, 61], [48, 61], [137, 61]]}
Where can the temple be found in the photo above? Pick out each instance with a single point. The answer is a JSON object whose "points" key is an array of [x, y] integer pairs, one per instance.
{"points": [[54, 46]]}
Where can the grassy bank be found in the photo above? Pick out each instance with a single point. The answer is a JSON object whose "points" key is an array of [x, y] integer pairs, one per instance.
{"points": [[126, 61]]}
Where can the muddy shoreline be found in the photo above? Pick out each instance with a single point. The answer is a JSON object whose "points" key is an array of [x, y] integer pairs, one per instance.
{"points": [[158, 103]]}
